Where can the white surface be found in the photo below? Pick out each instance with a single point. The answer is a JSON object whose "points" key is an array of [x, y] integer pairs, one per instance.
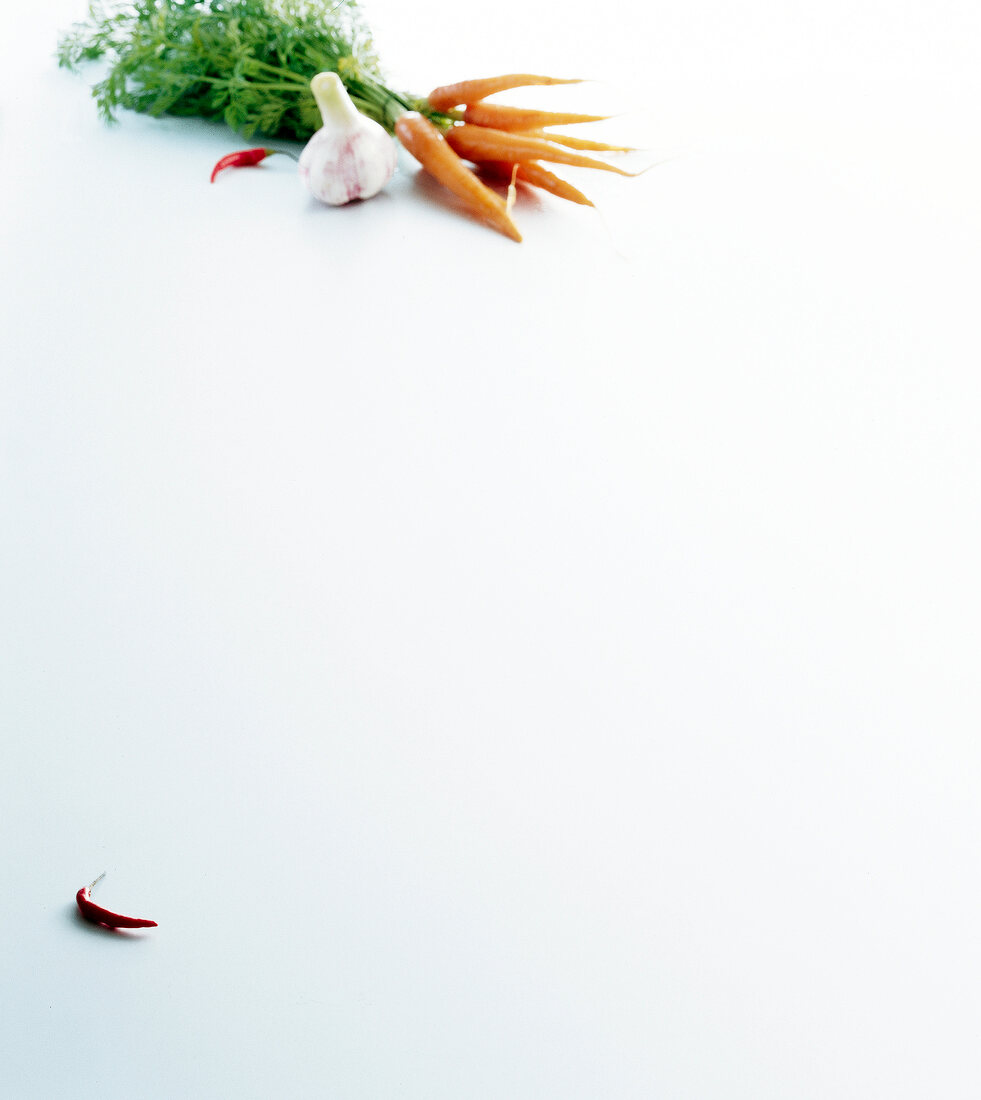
{"points": [[541, 671]]}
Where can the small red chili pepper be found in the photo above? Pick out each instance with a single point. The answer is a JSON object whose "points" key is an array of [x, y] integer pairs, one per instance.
{"points": [[97, 915], [244, 158]]}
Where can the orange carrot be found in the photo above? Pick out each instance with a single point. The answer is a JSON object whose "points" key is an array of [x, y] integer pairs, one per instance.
{"points": [[433, 152], [579, 143], [469, 91], [500, 117], [530, 171], [478, 143], [538, 176]]}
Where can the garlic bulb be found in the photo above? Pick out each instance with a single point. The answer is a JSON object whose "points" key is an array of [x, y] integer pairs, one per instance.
{"points": [[350, 157]]}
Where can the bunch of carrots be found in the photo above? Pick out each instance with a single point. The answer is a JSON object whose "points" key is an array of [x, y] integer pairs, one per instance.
{"points": [[509, 142]]}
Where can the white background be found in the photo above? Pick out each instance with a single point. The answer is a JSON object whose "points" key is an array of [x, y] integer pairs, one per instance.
{"points": [[541, 671]]}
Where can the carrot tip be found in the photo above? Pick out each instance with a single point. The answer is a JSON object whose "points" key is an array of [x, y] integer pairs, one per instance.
{"points": [[471, 91]]}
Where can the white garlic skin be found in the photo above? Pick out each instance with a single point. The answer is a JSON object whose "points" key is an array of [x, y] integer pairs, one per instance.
{"points": [[351, 156]]}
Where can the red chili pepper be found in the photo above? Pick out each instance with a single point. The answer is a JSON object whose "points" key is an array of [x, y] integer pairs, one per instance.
{"points": [[244, 158], [97, 915]]}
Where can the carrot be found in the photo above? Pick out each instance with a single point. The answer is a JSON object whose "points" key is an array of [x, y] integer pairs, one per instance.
{"points": [[535, 174], [469, 91], [579, 143], [530, 171], [500, 117], [478, 143], [433, 152]]}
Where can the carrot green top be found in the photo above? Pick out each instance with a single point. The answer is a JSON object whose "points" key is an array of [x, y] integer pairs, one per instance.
{"points": [[246, 62]]}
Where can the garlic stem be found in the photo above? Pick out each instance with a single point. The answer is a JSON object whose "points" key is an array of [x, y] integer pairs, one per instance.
{"points": [[335, 104]]}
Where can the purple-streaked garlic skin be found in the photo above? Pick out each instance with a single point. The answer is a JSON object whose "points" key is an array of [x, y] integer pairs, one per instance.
{"points": [[339, 168], [351, 156]]}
